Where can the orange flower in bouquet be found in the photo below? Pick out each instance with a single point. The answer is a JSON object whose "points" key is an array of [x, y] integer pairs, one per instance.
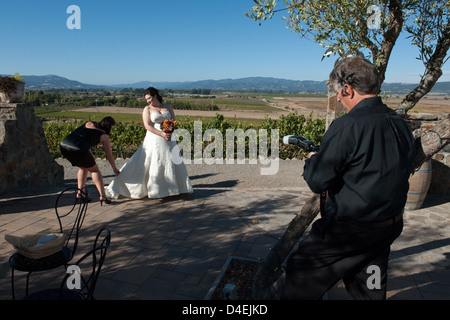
{"points": [[169, 126]]}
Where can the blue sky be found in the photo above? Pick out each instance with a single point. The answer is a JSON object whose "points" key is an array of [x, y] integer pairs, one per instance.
{"points": [[166, 40]]}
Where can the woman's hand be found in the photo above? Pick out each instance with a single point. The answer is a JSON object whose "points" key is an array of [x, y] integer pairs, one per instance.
{"points": [[310, 154], [168, 136]]}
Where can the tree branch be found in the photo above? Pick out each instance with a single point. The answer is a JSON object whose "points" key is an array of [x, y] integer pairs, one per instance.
{"points": [[432, 74], [390, 37]]}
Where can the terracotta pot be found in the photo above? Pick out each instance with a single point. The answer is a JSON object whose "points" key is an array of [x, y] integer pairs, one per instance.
{"points": [[419, 183]]}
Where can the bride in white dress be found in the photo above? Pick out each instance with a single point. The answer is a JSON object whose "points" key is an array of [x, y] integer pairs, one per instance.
{"points": [[151, 171]]}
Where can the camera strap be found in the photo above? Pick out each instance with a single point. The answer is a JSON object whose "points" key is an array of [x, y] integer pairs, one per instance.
{"points": [[322, 202]]}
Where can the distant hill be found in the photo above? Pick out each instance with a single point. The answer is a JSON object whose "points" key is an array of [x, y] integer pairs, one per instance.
{"points": [[52, 82], [243, 84]]}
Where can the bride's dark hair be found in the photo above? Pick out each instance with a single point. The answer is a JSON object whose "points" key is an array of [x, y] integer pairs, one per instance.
{"points": [[152, 92]]}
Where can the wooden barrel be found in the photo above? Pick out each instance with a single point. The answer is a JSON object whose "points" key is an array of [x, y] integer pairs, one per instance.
{"points": [[419, 183]]}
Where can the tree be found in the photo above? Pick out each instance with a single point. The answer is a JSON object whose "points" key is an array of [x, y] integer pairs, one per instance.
{"points": [[431, 34], [347, 27]]}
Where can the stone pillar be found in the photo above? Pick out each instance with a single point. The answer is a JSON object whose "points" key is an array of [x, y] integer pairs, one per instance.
{"points": [[25, 161], [334, 108]]}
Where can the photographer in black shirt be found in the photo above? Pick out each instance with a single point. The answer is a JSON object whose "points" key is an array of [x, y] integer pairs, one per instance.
{"points": [[363, 165]]}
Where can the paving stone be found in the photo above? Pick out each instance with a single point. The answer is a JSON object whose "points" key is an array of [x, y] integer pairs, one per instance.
{"points": [[175, 248]]}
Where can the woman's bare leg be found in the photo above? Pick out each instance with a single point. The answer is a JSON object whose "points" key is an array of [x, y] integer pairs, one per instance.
{"points": [[97, 178], [81, 178]]}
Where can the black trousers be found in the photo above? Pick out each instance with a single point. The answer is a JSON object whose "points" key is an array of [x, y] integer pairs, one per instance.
{"points": [[335, 250]]}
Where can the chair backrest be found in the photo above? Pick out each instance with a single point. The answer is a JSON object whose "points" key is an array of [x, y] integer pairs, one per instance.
{"points": [[71, 203], [88, 280]]}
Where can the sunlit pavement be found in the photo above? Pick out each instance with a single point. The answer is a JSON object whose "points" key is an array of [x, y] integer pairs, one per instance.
{"points": [[174, 249]]}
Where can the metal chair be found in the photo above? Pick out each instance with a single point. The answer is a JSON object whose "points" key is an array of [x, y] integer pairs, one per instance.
{"points": [[87, 284], [71, 203]]}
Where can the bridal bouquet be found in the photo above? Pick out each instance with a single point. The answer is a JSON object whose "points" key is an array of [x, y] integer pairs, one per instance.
{"points": [[169, 126]]}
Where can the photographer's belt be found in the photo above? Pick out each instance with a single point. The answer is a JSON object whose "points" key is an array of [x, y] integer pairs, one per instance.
{"points": [[373, 224], [378, 224]]}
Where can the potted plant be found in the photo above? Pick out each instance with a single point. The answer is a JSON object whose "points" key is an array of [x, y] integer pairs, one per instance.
{"points": [[12, 89]]}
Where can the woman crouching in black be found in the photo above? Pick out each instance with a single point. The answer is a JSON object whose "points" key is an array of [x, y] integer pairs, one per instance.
{"points": [[76, 148]]}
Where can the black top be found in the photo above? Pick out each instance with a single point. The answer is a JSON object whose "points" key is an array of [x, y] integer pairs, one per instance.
{"points": [[82, 139], [365, 160]]}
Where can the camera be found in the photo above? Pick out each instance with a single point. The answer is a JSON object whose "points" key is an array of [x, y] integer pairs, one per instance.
{"points": [[303, 143]]}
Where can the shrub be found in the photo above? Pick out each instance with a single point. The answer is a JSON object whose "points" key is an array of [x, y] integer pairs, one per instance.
{"points": [[127, 137]]}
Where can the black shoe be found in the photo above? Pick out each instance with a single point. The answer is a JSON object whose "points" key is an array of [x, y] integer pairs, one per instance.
{"points": [[106, 200]]}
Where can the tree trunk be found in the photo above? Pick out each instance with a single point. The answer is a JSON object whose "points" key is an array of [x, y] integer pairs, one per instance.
{"points": [[269, 272], [381, 57], [431, 141], [267, 278]]}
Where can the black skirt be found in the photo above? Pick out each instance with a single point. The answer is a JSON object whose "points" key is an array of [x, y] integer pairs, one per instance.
{"points": [[77, 155]]}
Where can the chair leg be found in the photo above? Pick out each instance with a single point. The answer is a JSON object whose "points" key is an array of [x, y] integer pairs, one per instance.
{"points": [[28, 281], [12, 284]]}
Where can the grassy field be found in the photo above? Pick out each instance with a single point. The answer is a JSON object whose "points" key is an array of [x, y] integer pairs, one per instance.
{"points": [[67, 115], [243, 108], [237, 104], [244, 104], [85, 116]]}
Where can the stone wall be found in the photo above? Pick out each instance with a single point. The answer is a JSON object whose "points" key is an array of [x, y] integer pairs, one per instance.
{"points": [[25, 161], [440, 162]]}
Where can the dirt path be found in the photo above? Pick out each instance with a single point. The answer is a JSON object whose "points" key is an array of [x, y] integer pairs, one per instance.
{"points": [[285, 105], [240, 114], [306, 105]]}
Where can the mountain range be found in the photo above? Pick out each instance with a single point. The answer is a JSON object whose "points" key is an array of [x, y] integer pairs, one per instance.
{"points": [[52, 82]]}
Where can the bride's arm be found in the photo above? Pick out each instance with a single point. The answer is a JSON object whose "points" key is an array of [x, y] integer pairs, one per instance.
{"points": [[149, 125], [172, 113]]}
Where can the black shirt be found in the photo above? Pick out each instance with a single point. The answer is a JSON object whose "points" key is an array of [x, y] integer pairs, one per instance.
{"points": [[82, 139], [364, 163]]}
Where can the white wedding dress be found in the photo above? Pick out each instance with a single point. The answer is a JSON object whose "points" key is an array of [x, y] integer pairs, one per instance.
{"points": [[155, 170]]}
